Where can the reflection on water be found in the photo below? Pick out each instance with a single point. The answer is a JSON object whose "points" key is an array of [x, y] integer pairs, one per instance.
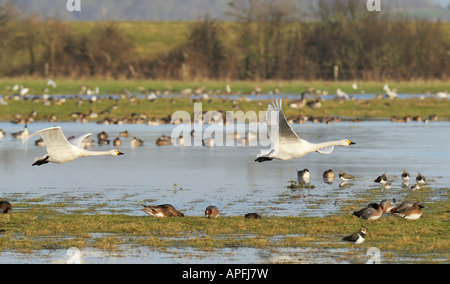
{"points": [[191, 178]]}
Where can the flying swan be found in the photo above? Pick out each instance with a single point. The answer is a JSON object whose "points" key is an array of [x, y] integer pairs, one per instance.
{"points": [[60, 150], [286, 145]]}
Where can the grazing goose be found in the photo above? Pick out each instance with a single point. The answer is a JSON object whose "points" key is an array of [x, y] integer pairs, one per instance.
{"points": [[162, 211], [408, 210], [286, 145], [60, 150], [372, 212]]}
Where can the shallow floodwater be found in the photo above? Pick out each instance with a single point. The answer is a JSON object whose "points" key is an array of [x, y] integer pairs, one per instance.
{"points": [[191, 178]]}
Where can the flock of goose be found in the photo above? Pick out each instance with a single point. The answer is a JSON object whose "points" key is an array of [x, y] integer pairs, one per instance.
{"points": [[286, 145]]}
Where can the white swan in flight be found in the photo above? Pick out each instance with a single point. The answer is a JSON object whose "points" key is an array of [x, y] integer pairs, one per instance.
{"points": [[60, 150], [286, 145]]}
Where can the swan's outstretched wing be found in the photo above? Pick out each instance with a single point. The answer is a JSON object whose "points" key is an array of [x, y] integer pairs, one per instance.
{"points": [[276, 121], [54, 139], [326, 150], [80, 141]]}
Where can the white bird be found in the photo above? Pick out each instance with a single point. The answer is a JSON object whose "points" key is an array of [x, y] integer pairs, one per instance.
{"points": [[390, 94], [52, 83], [60, 150], [286, 145], [342, 95]]}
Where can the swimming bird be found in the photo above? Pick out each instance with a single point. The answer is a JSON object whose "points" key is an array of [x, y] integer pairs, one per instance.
{"points": [[136, 142], [212, 212], [408, 210], [420, 179], [254, 216], [358, 237], [117, 142], [345, 177], [21, 135], [286, 145], [381, 179], [60, 150], [328, 176], [2, 134], [372, 212], [5, 207], [304, 176], [164, 210], [405, 176], [164, 141]]}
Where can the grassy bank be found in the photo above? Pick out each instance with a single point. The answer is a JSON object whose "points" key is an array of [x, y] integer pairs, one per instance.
{"points": [[42, 227], [362, 109]]}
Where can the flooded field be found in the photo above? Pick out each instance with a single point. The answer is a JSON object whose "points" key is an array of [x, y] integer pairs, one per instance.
{"points": [[191, 178]]}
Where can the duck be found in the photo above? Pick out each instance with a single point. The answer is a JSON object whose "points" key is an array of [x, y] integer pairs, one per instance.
{"points": [[345, 177], [372, 212], [328, 176], [387, 205], [136, 142], [21, 135], [117, 142], [358, 237], [212, 212], [124, 134], [253, 216], [61, 151], [420, 179], [381, 179], [164, 141], [286, 145], [209, 142], [5, 207], [408, 210], [2, 134], [405, 176], [162, 211], [304, 176]]}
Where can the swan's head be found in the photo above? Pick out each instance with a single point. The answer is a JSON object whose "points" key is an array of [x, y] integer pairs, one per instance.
{"points": [[347, 143], [115, 153]]}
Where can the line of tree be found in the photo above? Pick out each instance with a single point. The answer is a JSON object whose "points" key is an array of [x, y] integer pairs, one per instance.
{"points": [[268, 40]]}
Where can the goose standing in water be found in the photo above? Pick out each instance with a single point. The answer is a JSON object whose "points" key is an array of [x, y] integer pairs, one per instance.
{"points": [[287, 145], [60, 150]]}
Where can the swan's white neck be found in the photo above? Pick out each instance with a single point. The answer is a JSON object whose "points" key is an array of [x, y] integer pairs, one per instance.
{"points": [[87, 153]]}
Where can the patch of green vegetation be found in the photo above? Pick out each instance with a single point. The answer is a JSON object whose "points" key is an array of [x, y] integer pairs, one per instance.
{"points": [[161, 108], [37, 228]]}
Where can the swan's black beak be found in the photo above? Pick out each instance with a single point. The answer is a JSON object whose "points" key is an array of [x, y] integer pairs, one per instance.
{"points": [[120, 154], [352, 143]]}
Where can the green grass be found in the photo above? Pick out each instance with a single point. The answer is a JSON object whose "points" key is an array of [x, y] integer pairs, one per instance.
{"points": [[41, 227], [363, 109]]}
